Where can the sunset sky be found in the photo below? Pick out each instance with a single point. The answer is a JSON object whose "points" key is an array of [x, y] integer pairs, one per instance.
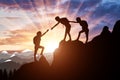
{"points": [[21, 19]]}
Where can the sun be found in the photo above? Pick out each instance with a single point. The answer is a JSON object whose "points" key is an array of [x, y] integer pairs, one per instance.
{"points": [[50, 47]]}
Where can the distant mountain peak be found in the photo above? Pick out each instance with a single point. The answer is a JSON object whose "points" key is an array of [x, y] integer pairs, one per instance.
{"points": [[8, 60], [26, 50], [13, 55], [4, 52]]}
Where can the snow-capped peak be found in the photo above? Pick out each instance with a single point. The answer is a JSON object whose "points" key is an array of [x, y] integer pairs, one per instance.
{"points": [[26, 50], [8, 60], [12, 55], [4, 52]]}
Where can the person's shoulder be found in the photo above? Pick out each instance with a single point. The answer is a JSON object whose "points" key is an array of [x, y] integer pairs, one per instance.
{"points": [[64, 18], [83, 21], [34, 37]]}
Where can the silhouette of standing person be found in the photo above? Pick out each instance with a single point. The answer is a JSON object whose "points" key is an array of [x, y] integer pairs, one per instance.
{"points": [[36, 41], [84, 26], [66, 23], [105, 31]]}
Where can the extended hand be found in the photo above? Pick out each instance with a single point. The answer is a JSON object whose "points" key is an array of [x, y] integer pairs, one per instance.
{"points": [[51, 28], [47, 30]]}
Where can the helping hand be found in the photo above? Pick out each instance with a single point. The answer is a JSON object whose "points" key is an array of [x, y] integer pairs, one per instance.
{"points": [[47, 30], [52, 28]]}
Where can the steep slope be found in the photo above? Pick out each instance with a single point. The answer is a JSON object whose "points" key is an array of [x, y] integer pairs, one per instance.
{"points": [[33, 71], [73, 60]]}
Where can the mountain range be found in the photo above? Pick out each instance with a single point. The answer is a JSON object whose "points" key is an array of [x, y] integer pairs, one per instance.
{"points": [[16, 59], [74, 60]]}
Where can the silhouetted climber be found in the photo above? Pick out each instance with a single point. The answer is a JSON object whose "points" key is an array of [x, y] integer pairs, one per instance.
{"points": [[84, 26], [105, 31], [66, 23], [36, 41]]}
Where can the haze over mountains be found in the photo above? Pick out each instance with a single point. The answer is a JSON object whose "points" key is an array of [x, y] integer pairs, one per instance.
{"points": [[13, 60]]}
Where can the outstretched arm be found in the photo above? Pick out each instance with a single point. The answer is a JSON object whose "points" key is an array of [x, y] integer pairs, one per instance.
{"points": [[45, 32], [54, 26], [73, 21]]}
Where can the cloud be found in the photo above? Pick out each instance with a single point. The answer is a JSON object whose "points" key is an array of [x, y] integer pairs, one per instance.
{"points": [[28, 4], [82, 5], [24, 4], [13, 18], [111, 9], [20, 36], [15, 37], [12, 2], [2, 27], [7, 2], [90, 4]]}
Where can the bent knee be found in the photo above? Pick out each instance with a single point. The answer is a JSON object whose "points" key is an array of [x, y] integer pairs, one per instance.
{"points": [[42, 47]]}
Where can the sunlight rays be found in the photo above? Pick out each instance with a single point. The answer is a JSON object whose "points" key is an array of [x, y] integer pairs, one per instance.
{"points": [[77, 10], [35, 8], [25, 14], [40, 16], [45, 21], [67, 8]]}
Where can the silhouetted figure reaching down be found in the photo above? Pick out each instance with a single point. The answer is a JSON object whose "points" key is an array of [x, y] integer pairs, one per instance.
{"points": [[66, 23], [36, 41], [84, 26]]}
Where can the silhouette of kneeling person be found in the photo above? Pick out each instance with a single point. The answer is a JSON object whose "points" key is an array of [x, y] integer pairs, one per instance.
{"points": [[36, 41], [84, 26], [66, 23]]}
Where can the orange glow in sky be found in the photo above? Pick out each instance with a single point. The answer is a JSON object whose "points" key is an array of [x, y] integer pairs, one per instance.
{"points": [[19, 25], [22, 35]]}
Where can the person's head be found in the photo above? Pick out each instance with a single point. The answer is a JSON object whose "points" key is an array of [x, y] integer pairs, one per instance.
{"points": [[39, 33], [57, 18], [78, 19], [105, 28]]}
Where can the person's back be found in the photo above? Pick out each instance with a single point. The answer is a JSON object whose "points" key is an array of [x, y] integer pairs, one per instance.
{"points": [[64, 21], [84, 25], [36, 40]]}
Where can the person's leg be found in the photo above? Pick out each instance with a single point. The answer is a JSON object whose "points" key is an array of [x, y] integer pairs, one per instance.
{"points": [[79, 34], [69, 36], [42, 50], [87, 32], [65, 35], [35, 52]]}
